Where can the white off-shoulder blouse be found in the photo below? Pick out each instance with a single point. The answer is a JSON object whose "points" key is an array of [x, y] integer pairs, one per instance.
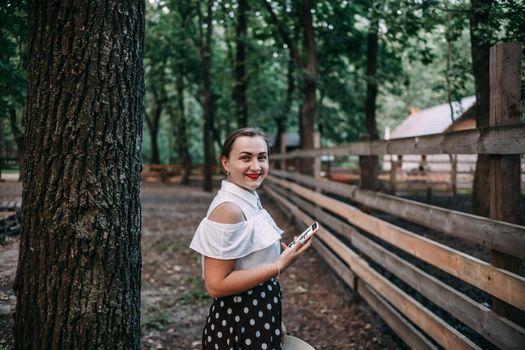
{"points": [[252, 242]]}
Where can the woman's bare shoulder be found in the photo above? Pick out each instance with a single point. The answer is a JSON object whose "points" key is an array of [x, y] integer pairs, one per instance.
{"points": [[227, 213]]}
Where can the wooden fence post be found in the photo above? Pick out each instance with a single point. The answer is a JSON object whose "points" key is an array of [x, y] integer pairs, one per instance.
{"points": [[505, 182]]}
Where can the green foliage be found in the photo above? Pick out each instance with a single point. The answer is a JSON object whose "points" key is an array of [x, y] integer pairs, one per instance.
{"points": [[416, 38], [13, 38]]}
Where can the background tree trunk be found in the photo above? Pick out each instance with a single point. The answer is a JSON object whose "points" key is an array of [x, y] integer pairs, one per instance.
{"points": [[309, 86], [241, 81], [153, 127], [78, 277], [20, 142], [368, 164], [181, 134], [480, 50], [207, 129]]}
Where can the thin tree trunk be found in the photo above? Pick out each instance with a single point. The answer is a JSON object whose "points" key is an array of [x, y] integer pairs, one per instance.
{"points": [[368, 164], [206, 98], [281, 121], [241, 81], [309, 86], [20, 142], [480, 50], [182, 137], [78, 279], [153, 127]]}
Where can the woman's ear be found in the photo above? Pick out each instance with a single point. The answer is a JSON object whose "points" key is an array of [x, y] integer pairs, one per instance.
{"points": [[224, 163]]}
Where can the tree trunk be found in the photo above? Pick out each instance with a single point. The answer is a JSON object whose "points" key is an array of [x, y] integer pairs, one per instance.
{"points": [[368, 164], [20, 141], [309, 87], [153, 127], [480, 51], [281, 121], [241, 82], [206, 98], [181, 134], [78, 278]]}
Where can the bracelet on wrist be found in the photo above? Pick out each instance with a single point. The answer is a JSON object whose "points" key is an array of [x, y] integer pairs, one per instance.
{"points": [[278, 269]]}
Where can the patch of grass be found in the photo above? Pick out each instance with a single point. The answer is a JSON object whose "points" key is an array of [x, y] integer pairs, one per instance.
{"points": [[155, 317], [195, 292]]}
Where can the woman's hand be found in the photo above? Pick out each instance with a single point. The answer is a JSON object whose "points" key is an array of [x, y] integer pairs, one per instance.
{"points": [[290, 255]]}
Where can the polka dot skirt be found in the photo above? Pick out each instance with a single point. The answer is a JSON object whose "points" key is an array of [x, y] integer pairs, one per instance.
{"points": [[250, 320]]}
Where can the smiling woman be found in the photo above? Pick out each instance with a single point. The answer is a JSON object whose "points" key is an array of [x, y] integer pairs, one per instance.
{"points": [[241, 252]]}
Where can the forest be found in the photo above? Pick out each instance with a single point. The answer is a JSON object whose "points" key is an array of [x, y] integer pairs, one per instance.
{"points": [[346, 68]]}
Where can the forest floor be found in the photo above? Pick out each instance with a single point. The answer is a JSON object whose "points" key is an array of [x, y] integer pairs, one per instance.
{"points": [[317, 307]]}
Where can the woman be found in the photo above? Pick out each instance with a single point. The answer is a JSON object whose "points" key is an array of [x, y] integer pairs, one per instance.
{"points": [[241, 252]]}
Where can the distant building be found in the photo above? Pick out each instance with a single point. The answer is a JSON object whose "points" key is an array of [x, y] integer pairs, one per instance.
{"points": [[435, 120]]}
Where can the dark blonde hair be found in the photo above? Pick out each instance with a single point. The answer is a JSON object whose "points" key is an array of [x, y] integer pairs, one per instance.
{"points": [[250, 132]]}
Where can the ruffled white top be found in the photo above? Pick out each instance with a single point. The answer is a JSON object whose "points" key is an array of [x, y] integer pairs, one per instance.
{"points": [[252, 242]]}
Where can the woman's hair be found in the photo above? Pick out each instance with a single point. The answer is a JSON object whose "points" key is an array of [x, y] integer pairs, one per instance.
{"points": [[251, 132]]}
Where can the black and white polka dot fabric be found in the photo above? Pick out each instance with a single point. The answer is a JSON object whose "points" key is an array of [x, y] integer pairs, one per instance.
{"points": [[250, 320]]}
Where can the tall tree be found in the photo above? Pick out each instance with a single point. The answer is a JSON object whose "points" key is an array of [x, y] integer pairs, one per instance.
{"points": [[308, 108], [207, 93], [368, 164], [241, 81], [307, 63], [78, 278], [480, 41]]}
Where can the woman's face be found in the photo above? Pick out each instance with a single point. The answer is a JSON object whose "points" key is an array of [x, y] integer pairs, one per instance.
{"points": [[248, 162]]}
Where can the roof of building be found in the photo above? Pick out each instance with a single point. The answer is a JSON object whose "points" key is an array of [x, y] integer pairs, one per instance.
{"points": [[292, 139], [433, 120]]}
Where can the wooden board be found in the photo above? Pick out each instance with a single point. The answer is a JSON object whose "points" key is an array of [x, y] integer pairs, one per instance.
{"points": [[435, 327], [493, 140], [497, 235], [497, 282]]}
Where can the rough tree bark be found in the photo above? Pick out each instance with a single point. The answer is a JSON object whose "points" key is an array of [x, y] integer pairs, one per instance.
{"points": [[241, 81], [480, 51], [78, 278]]}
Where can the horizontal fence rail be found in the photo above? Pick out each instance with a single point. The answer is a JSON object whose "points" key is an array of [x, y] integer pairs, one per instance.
{"points": [[337, 218], [500, 283], [494, 140], [498, 235]]}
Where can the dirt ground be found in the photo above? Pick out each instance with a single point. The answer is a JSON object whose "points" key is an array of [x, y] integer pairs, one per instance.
{"points": [[316, 306]]}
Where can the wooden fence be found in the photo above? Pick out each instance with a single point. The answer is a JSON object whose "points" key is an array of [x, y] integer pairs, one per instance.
{"points": [[404, 276]]}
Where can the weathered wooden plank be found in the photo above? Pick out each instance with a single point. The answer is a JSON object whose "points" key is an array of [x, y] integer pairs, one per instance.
{"points": [[496, 329], [495, 140], [342, 270], [497, 235], [435, 327], [405, 330], [497, 282]]}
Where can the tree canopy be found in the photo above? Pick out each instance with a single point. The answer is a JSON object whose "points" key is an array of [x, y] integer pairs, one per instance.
{"points": [[423, 59]]}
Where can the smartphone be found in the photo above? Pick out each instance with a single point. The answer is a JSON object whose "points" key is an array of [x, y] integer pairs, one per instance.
{"points": [[306, 233]]}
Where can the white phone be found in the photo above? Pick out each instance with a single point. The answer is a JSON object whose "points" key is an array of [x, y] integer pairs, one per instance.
{"points": [[306, 233]]}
